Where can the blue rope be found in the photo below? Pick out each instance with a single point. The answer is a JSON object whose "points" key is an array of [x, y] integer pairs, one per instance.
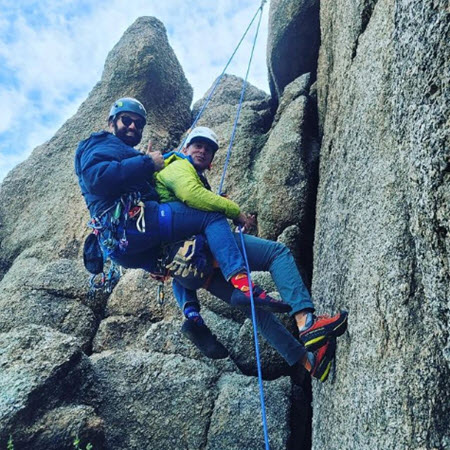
{"points": [[218, 80], [241, 100], [255, 336], [244, 252]]}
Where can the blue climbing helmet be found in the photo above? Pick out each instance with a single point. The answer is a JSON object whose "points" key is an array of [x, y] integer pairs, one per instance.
{"points": [[127, 104]]}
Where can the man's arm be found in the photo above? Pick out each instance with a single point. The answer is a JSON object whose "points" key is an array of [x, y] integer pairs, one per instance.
{"points": [[107, 168], [181, 178]]}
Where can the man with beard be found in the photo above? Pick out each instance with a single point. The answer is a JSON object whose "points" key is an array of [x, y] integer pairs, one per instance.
{"points": [[117, 183]]}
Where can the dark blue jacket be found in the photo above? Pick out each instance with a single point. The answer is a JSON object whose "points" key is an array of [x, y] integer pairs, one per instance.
{"points": [[107, 168]]}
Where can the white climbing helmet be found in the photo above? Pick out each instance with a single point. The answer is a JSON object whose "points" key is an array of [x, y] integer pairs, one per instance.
{"points": [[205, 134]]}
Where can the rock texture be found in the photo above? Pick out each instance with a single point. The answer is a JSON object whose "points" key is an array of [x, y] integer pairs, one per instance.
{"points": [[273, 168], [293, 42], [382, 236], [116, 371], [45, 400], [122, 374], [234, 414]]}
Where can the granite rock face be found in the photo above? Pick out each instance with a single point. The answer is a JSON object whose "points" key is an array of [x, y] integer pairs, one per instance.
{"points": [[234, 414], [293, 42], [42, 373], [382, 228]]}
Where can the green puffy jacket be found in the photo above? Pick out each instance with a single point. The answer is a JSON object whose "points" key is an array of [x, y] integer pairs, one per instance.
{"points": [[180, 181]]}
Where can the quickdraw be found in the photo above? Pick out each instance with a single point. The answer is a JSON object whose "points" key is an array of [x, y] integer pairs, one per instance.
{"points": [[107, 280], [161, 275], [106, 228]]}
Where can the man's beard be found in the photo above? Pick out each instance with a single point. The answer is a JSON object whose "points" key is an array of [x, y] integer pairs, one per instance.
{"points": [[129, 140]]}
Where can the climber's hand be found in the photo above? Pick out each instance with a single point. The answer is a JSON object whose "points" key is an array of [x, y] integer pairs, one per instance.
{"points": [[157, 157]]}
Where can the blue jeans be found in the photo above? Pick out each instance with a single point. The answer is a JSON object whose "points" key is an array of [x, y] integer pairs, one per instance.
{"points": [[143, 248], [263, 255]]}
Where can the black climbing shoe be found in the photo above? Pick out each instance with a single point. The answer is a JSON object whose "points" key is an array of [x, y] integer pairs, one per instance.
{"points": [[262, 300], [204, 340]]}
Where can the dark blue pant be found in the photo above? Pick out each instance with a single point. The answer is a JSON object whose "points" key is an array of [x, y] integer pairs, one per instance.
{"points": [[142, 250], [263, 255]]}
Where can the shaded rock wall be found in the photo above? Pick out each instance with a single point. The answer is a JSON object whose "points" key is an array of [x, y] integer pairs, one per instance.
{"points": [[382, 230], [293, 42]]}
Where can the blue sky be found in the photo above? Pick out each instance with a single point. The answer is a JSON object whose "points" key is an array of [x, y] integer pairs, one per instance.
{"points": [[52, 53]]}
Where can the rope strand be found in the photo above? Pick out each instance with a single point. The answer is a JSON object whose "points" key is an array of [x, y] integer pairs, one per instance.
{"points": [[244, 253], [255, 336], [216, 83], [233, 134], [241, 100]]}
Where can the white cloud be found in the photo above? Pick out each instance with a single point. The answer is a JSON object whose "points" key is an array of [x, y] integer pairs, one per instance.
{"points": [[56, 51]]}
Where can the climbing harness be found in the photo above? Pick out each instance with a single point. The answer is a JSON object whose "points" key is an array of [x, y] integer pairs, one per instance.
{"points": [[244, 85], [108, 237]]}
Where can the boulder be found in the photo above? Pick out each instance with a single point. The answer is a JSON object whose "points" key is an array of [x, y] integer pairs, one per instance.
{"points": [[236, 420], [42, 371], [153, 400], [52, 294], [136, 295]]}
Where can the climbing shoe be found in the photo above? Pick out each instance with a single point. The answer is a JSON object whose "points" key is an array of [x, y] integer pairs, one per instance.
{"points": [[322, 329], [200, 335], [261, 299], [323, 359], [242, 283]]}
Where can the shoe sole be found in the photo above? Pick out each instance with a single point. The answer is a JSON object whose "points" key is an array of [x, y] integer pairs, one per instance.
{"points": [[324, 368], [319, 337]]}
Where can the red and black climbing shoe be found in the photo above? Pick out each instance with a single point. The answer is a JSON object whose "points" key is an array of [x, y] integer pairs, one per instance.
{"points": [[241, 296], [322, 329], [323, 360], [200, 335], [261, 299]]}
